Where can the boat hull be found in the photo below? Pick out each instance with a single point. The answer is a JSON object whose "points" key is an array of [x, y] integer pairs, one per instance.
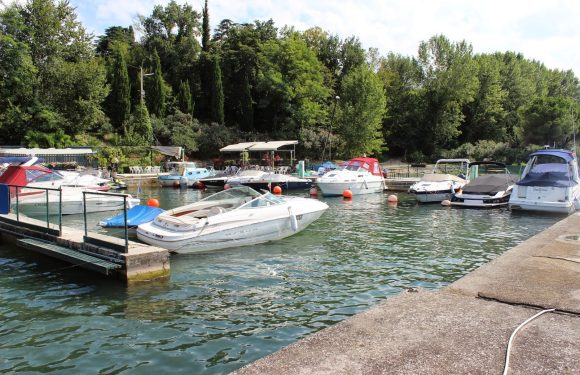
{"points": [[480, 201], [336, 188], [289, 185], [431, 196], [38, 207], [549, 199], [252, 233]]}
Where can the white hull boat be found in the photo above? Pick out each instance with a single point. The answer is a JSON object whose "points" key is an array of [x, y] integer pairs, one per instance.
{"points": [[33, 202], [183, 174], [359, 175], [487, 190], [550, 183], [238, 216], [438, 185]]}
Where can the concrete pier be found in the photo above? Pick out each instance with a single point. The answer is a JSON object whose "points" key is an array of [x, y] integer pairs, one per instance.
{"points": [[140, 263], [465, 327]]}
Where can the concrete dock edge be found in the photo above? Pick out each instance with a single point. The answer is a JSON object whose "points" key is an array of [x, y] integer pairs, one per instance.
{"points": [[465, 327]]}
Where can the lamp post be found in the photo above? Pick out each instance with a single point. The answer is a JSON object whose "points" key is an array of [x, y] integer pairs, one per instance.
{"points": [[330, 132], [142, 92]]}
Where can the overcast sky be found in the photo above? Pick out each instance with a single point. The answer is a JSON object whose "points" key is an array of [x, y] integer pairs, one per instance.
{"points": [[544, 30]]}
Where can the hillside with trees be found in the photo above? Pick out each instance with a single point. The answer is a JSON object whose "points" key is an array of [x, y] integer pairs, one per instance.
{"points": [[171, 80]]}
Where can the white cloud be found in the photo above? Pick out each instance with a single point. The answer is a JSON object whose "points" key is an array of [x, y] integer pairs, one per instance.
{"points": [[541, 30]]}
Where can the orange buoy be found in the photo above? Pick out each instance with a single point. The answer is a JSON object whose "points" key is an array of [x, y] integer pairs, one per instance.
{"points": [[277, 190], [313, 191], [199, 185], [347, 194], [392, 198], [152, 202], [227, 186]]}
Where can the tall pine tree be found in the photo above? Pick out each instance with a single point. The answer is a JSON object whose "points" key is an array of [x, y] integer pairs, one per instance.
{"points": [[155, 94], [119, 99], [217, 92], [184, 101], [205, 29]]}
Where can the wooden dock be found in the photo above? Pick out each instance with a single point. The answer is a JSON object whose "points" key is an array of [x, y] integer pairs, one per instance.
{"points": [[111, 256]]}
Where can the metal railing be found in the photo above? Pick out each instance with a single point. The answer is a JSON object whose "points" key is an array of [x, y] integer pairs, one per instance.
{"points": [[18, 195], [125, 226]]}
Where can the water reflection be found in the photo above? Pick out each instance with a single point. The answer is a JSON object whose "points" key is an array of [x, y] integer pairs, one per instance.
{"points": [[221, 310]]}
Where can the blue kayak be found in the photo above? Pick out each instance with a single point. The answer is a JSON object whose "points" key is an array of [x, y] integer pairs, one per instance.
{"points": [[135, 216]]}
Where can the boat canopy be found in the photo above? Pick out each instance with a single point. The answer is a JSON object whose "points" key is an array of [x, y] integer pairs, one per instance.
{"points": [[554, 168], [370, 164]]}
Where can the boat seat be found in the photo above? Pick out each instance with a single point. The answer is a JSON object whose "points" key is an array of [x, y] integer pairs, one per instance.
{"points": [[216, 211]]}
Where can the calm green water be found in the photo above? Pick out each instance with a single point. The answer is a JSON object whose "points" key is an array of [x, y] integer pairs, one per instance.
{"points": [[222, 310]]}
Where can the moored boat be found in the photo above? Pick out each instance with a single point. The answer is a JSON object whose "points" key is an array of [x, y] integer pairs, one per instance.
{"points": [[359, 175], [235, 217], [550, 183], [183, 174], [447, 176], [490, 186]]}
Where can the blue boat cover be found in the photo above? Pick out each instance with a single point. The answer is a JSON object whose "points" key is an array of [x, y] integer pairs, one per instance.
{"points": [[137, 215], [549, 174]]}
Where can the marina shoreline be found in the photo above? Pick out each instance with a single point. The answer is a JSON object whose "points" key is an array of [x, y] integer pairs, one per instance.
{"points": [[464, 327]]}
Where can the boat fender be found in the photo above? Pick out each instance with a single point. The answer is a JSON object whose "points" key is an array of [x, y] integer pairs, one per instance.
{"points": [[293, 220]]}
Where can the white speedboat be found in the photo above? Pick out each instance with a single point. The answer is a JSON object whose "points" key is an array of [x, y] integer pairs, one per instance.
{"points": [[448, 175], [183, 174], [235, 217], [490, 186], [244, 176], [32, 199], [359, 175], [550, 183]]}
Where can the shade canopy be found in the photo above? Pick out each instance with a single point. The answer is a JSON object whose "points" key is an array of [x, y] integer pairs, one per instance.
{"points": [[270, 146], [237, 147]]}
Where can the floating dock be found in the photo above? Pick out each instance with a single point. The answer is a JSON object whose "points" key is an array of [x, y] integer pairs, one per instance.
{"points": [[463, 328], [111, 256]]}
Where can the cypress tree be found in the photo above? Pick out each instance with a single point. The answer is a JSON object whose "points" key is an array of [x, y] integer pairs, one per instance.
{"points": [[205, 29], [119, 100], [184, 101], [155, 95], [247, 110], [217, 92]]}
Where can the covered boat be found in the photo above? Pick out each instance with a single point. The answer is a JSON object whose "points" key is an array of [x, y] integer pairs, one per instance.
{"points": [[448, 176], [550, 183], [490, 186], [235, 217], [139, 214], [269, 180], [359, 175]]}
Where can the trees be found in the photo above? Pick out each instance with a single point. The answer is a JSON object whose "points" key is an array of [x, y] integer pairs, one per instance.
{"points": [[118, 102], [157, 90], [217, 92], [362, 106]]}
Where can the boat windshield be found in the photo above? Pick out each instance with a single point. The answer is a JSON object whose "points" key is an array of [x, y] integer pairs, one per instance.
{"points": [[34, 175], [354, 166], [268, 199], [241, 193]]}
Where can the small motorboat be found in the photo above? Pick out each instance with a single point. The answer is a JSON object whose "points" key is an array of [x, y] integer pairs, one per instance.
{"points": [[359, 175], [245, 176], [184, 174], [490, 185], [136, 215], [448, 175], [287, 182], [238, 216], [549, 183]]}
